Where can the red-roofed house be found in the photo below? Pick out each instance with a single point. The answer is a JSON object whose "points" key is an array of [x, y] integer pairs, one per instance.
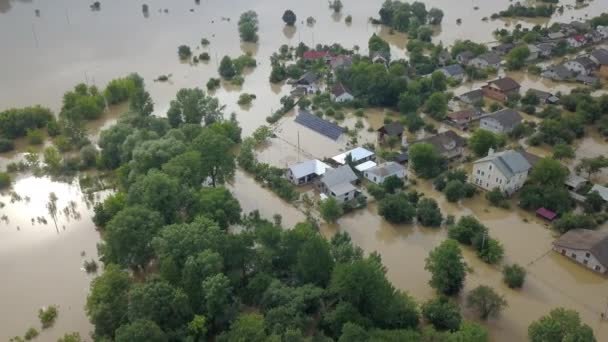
{"points": [[577, 41], [313, 55], [463, 118], [546, 214]]}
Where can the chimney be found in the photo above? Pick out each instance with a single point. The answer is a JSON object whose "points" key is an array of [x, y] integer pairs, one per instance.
{"points": [[490, 151]]}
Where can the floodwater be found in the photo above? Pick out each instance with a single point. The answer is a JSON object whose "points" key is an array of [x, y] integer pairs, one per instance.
{"points": [[68, 44]]}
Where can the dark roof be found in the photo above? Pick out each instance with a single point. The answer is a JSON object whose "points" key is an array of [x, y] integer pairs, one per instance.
{"points": [[466, 114], [505, 84], [507, 117], [596, 242], [546, 213], [401, 158], [454, 69], [545, 47], [490, 57], [601, 55], [342, 174], [319, 125], [472, 96], [504, 48], [308, 78], [533, 159], [466, 55], [393, 128], [561, 71], [586, 62], [444, 142], [339, 89], [542, 95]]}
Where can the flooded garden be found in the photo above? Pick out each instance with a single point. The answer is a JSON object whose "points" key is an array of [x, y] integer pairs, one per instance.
{"points": [[46, 227]]}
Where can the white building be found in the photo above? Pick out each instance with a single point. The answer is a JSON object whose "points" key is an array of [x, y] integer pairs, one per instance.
{"points": [[581, 65], [486, 60], [338, 183], [339, 93], [381, 172], [358, 155], [587, 247], [507, 171], [306, 171], [502, 121]]}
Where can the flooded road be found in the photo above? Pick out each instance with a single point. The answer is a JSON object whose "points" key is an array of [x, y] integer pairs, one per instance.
{"points": [[47, 55]]}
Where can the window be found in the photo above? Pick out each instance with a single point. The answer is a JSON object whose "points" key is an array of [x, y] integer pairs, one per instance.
{"points": [[585, 261], [563, 251], [478, 171], [588, 255], [496, 179], [573, 255], [597, 268], [482, 173], [490, 167]]}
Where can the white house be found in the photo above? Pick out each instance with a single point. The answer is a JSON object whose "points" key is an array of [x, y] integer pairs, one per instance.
{"points": [[502, 121], [586, 247], [486, 60], [507, 171], [603, 31], [358, 155], [381, 172], [577, 41], [338, 183], [339, 93], [306, 171], [581, 65]]}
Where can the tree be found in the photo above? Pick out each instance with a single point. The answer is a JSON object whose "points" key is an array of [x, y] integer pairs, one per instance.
{"points": [[106, 304], [447, 267], [467, 228], [192, 105], [442, 313], [197, 328], [158, 192], [217, 156], [70, 337], [485, 301], [330, 210], [218, 297], [378, 45], [289, 18], [160, 303], [227, 69], [397, 209], [186, 167], [594, 202], [482, 140], [315, 264], [248, 26], [488, 249], [470, 332], [516, 58], [437, 105], [392, 184], [219, 205], [454, 190], [425, 160], [563, 151], [52, 158], [435, 16], [549, 172], [336, 5], [247, 327], [5, 180], [560, 325], [140, 331], [592, 165], [141, 103], [514, 275], [128, 235], [184, 52], [428, 213]]}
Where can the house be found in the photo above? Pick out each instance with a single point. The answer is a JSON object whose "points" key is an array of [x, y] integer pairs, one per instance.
{"points": [[339, 183], [365, 166], [586, 247], [575, 182], [576, 41], [532, 159], [543, 96], [472, 97], [500, 89], [448, 144], [463, 118], [556, 35], [587, 80], [534, 53], [500, 122], [341, 62], [601, 190], [602, 30], [581, 65], [306, 171], [358, 155], [379, 58], [454, 71], [308, 82], [464, 57], [486, 60], [402, 158], [503, 49], [315, 55], [545, 50], [558, 73], [600, 57], [593, 37], [381, 172], [444, 57], [506, 171], [393, 129], [339, 93]]}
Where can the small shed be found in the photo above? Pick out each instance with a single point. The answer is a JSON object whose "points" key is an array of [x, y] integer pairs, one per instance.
{"points": [[575, 182], [546, 214], [365, 166]]}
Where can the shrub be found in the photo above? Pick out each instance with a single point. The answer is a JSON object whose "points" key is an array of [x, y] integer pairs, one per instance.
{"points": [[514, 276], [428, 213], [5, 180], [35, 136], [6, 145], [397, 208], [213, 84], [47, 316], [442, 313], [245, 99], [31, 334], [497, 198], [486, 301], [184, 52]]}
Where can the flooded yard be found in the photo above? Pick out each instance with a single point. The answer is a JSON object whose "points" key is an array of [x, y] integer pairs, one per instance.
{"points": [[45, 56]]}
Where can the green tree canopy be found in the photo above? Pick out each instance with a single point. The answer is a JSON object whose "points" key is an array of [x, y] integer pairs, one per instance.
{"points": [[447, 268], [217, 156], [482, 140], [140, 331], [560, 325], [192, 105], [425, 160], [486, 301], [397, 208]]}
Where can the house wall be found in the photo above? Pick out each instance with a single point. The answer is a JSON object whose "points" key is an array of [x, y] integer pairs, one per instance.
{"points": [[343, 98], [302, 180], [487, 176], [494, 93], [582, 257], [492, 125], [379, 179]]}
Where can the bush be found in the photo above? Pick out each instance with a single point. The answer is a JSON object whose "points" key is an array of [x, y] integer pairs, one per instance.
{"points": [[88, 156], [213, 84], [245, 99], [47, 316], [5, 180], [330, 210], [184, 52], [428, 213], [397, 209], [497, 198], [31, 334], [442, 313], [514, 276], [90, 266], [35, 136], [6, 145], [486, 301]]}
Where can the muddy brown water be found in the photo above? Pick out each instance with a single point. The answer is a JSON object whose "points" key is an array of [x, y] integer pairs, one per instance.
{"points": [[47, 55]]}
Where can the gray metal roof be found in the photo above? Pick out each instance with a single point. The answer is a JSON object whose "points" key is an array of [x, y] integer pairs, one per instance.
{"points": [[601, 55], [596, 242], [342, 174], [309, 167], [507, 117], [509, 162], [386, 169], [490, 57], [602, 190], [341, 188], [454, 69]]}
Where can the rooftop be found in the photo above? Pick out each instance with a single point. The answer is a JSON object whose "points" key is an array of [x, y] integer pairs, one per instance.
{"points": [[575, 181], [466, 114], [490, 57], [319, 125], [542, 95], [339, 89], [546, 213], [602, 190], [505, 84], [393, 129], [309, 167], [601, 55], [357, 153], [586, 62], [340, 175], [506, 117], [315, 54], [454, 69], [509, 162], [386, 169], [365, 166], [445, 141], [472, 96], [596, 242]]}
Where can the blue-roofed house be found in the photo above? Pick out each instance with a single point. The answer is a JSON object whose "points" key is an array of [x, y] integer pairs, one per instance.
{"points": [[455, 71], [506, 171], [306, 171]]}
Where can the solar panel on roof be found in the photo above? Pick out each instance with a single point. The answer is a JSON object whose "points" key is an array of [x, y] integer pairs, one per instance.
{"points": [[319, 125]]}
